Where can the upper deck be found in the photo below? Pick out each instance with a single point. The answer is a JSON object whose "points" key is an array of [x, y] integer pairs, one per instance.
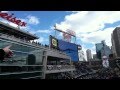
{"points": [[8, 29]]}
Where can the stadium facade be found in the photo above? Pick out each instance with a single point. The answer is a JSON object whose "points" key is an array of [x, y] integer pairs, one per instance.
{"points": [[30, 59]]}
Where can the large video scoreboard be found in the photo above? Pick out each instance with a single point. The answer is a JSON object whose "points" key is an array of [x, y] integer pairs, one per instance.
{"points": [[69, 48]]}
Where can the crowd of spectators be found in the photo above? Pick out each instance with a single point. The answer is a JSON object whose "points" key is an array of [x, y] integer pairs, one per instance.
{"points": [[23, 40], [81, 70], [84, 72], [102, 73], [62, 75]]}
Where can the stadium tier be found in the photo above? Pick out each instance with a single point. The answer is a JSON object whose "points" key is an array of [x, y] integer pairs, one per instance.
{"points": [[30, 59]]}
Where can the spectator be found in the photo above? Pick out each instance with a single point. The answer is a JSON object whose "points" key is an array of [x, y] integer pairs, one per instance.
{"points": [[5, 53]]}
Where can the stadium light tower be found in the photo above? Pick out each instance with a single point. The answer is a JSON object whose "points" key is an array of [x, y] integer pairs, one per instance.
{"points": [[67, 35]]}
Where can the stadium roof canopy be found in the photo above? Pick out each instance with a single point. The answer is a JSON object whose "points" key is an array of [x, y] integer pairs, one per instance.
{"points": [[16, 31]]}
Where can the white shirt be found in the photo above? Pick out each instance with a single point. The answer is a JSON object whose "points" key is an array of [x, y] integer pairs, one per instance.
{"points": [[105, 63]]}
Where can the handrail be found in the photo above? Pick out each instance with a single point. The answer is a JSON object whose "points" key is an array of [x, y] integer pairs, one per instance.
{"points": [[16, 39], [19, 72]]}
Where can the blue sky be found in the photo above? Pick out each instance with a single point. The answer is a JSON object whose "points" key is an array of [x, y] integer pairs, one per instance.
{"points": [[90, 26], [47, 19]]}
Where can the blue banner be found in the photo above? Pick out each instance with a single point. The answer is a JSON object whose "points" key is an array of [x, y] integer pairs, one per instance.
{"points": [[69, 48]]}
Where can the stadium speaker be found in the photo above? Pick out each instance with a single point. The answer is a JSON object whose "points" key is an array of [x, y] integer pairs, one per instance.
{"points": [[31, 60]]}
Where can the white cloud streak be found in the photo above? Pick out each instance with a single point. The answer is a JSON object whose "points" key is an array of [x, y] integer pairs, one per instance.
{"points": [[33, 20], [43, 31]]}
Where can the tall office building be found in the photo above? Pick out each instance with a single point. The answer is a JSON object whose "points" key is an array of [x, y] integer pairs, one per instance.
{"points": [[102, 50], [89, 55], [95, 57], [106, 51], [98, 49], [115, 38]]}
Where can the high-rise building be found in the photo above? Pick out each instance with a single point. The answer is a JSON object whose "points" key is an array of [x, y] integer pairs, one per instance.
{"points": [[106, 51], [94, 56], [115, 38], [89, 55], [98, 49], [102, 50]]}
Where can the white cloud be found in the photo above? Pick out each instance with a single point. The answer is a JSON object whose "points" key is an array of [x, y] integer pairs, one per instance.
{"points": [[43, 31], [26, 28], [52, 27], [59, 35], [30, 20], [41, 40], [73, 11], [33, 20], [98, 36], [84, 21], [32, 32], [89, 25]]}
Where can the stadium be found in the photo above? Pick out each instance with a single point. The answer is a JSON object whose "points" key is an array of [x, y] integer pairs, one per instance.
{"points": [[31, 59], [58, 60]]}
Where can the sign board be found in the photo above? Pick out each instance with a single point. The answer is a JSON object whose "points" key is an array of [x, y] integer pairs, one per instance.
{"points": [[12, 19], [53, 42], [67, 36]]}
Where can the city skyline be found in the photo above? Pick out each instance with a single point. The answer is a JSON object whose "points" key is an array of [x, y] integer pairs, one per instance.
{"points": [[90, 26]]}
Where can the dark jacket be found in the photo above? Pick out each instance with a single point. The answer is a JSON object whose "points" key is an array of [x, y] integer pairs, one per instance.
{"points": [[2, 54]]}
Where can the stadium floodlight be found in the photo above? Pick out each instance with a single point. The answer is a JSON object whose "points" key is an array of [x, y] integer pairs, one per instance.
{"points": [[66, 35]]}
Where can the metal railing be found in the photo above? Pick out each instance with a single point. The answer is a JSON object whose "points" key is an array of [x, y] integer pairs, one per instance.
{"points": [[21, 71], [13, 38]]}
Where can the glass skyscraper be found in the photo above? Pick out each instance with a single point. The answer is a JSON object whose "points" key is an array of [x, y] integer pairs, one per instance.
{"points": [[102, 50], [98, 50]]}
